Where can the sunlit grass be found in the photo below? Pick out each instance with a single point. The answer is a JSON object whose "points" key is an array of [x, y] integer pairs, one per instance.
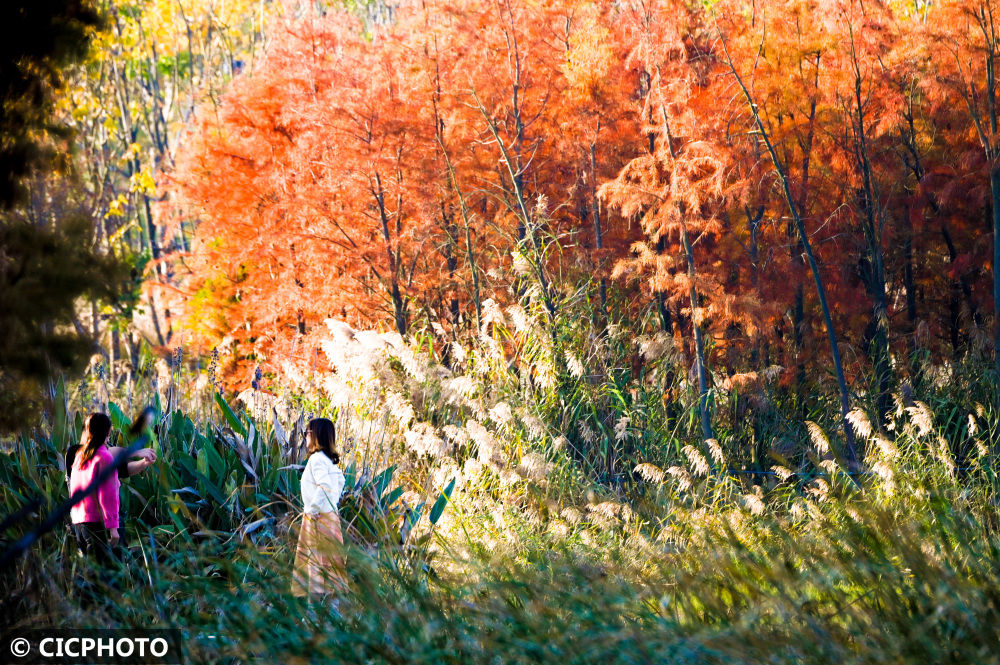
{"points": [[583, 521]]}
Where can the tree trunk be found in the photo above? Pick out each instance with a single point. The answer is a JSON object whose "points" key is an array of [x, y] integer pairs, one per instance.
{"points": [[699, 350], [995, 191], [398, 304], [470, 255], [753, 224], [873, 222], [598, 235], [451, 261], [699, 347], [845, 406], [798, 323], [909, 285], [666, 324]]}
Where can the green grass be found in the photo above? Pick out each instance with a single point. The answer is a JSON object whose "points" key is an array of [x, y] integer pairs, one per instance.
{"points": [[583, 523], [869, 587]]}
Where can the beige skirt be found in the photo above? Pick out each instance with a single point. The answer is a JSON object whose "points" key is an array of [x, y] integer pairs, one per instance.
{"points": [[319, 560]]}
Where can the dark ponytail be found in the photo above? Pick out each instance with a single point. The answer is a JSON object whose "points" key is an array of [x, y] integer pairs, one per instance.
{"points": [[96, 429], [322, 436]]}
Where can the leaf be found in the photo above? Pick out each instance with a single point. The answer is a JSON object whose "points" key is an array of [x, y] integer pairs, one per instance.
{"points": [[202, 461], [388, 500], [230, 416], [174, 513], [382, 480], [253, 526], [279, 431], [253, 442], [350, 471], [216, 465], [211, 488], [441, 502], [118, 418], [412, 517], [250, 471], [60, 420], [77, 427]]}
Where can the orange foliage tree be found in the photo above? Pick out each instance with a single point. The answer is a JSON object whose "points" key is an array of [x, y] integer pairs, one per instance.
{"points": [[678, 185], [373, 179], [967, 40], [799, 170]]}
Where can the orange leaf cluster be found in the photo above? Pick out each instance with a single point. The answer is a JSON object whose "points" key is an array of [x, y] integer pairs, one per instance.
{"points": [[381, 174]]}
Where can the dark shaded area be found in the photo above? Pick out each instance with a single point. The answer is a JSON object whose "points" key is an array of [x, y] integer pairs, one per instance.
{"points": [[47, 261], [37, 40]]}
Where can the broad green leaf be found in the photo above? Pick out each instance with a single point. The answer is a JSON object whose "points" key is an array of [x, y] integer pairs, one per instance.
{"points": [[382, 480], [415, 512], [202, 461], [216, 467], [230, 416], [391, 498], [441, 502], [350, 473], [60, 420], [119, 420], [210, 488]]}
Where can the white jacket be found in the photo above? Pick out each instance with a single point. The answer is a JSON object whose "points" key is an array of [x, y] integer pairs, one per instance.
{"points": [[322, 484]]}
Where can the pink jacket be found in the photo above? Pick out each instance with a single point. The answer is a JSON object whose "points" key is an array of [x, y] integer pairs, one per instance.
{"points": [[102, 505]]}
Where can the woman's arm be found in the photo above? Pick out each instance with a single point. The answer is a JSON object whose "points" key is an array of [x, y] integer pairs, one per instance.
{"points": [[146, 458], [138, 466]]}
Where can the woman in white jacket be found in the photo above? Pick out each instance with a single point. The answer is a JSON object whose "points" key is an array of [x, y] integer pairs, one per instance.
{"points": [[319, 565]]}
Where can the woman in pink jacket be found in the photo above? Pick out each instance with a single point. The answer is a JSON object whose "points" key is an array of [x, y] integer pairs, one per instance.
{"points": [[95, 518]]}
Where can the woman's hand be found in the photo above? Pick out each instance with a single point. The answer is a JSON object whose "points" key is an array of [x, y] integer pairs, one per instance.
{"points": [[139, 465], [114, 537], [146, 458]]}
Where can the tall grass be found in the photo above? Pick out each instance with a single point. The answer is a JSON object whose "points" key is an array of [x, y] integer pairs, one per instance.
{"points": [[852, 580], [536, 499]]}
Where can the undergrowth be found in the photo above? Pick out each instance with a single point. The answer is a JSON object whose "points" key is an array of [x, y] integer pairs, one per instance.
{"points": [[532, 497]]}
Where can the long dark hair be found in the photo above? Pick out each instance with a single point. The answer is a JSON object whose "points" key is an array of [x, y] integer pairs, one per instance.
{"points": [[96, 429], [322, 436]]}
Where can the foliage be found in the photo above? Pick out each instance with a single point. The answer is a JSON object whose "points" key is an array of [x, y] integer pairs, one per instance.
{"points": [[47, 260], [443, 167], [691, 562], [234, 481], [127, 101], [39, 41], [452, 180], [556, 271], [43, 273]]}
